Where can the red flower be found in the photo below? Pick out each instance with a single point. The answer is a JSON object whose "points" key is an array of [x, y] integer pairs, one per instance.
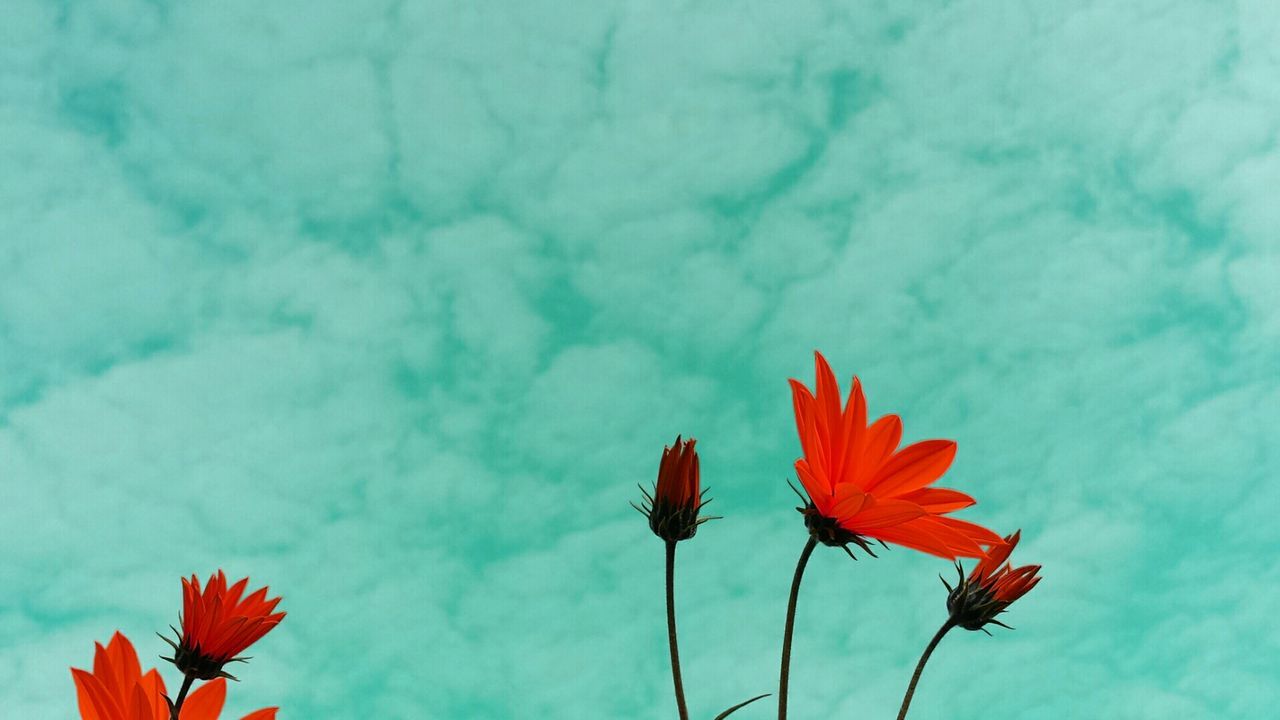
{"points": [[218, 624], [117, 689], [672, 507], [990, 588], [862, 486]]}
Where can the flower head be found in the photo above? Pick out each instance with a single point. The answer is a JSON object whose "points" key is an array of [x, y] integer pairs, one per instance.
{"points": [[861, 487], [218, 623], [990, 588], [117, 689], [672, 507]]}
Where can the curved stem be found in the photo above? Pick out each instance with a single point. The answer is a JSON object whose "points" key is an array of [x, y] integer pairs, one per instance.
{"points": [[671, 629], [791, 621], [915, 678], [182, 696]]}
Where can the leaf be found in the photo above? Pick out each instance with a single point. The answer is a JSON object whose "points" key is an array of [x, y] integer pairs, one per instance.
{"points": [[739, 706]]}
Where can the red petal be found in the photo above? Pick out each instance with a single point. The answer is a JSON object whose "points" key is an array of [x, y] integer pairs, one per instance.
{"points": [[816, 484], [828, 397], [153, 685], [849, 500], [852, 433], [101, 705], [913, 467], [806, 424], [878, 513], [976, 532], [139, 705], [882, 439], [938, 500], [915, 538]]}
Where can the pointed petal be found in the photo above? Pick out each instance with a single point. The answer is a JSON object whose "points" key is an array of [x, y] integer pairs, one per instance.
{"points": [[913, 467], [908, 535], [806, 424], [139, 705], [817, 486], [153, 685], [878, 513], [976, 532], [827, 406], [849, 500], [263, 714], [84, 697], [938, 500], [124, 658], [105, 706], [107, 672], [851, 435], [958, 542], [882, 439]]}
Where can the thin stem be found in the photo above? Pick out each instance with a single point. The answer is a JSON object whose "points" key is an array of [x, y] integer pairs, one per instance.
{"points": [[671, 629], [915, 678], [791, 621], [182, 695]]}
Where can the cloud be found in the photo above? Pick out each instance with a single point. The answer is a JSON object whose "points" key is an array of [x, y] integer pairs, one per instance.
{"points": [[391, 306]]}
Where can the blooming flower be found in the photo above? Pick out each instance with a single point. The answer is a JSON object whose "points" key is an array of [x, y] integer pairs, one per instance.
{"points": [[672, 507], [990, 588], [117, 689], [861, 486], [218, 624]]}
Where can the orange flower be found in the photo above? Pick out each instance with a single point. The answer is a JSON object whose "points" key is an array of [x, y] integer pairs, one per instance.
{"points": [[990, 588], [672, 507], [218, 624], [861, 486], [117, 689]]}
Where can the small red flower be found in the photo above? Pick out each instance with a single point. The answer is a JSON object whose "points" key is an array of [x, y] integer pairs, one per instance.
{"points": [[861, 486], [218, 624], [672, 507], [117, 689], [992, 586]]}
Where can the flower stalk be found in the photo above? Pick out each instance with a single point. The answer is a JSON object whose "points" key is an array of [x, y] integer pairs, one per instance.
{"points": [[915, 677], [790, 626], [671, 631], [175, 708]]}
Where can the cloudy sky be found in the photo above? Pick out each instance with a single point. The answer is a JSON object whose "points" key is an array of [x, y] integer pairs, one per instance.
{"points": [[391, 304]]}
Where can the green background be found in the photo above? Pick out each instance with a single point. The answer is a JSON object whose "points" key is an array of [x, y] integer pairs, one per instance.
{"points": [[391, 304]]}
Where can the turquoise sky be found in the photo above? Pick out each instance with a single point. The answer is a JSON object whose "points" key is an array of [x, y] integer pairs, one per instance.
{"points": [[391, 304]]}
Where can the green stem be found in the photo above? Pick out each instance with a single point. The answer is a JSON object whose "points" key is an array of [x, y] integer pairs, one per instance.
{"points": [[791, 621], [915, 678], [671, 629]]}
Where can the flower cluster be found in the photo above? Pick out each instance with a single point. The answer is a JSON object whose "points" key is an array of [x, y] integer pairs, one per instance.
{"points": [[218, 623], [861, 488]]}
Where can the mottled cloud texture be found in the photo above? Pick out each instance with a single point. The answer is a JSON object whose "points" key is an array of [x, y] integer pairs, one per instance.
{"points": [[391, 304]]}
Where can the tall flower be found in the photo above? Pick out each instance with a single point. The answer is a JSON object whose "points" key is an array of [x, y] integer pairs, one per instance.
{"points": [[218, 623], [672, 507], [991, 587], [117, 689], [862, 487]]}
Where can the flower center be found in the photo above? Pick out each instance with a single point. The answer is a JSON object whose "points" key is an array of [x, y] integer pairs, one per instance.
{"points": [[829, 532]]}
